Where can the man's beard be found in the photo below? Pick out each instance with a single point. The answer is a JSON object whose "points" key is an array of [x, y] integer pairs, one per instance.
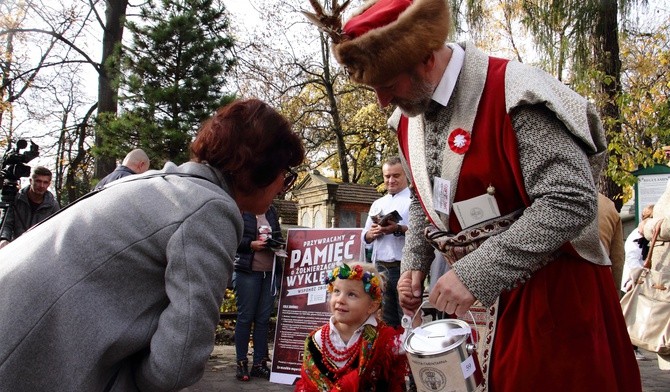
{"points": [[419, 101]]}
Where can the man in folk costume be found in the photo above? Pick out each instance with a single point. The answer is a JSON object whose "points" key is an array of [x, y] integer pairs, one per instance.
{"points": [[503, 159]]}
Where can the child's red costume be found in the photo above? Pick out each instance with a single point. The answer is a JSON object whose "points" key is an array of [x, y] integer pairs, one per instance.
{"points": [[379, 365]]}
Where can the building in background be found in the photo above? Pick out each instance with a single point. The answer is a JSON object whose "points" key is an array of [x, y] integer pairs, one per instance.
{"points": [[320, 202]]}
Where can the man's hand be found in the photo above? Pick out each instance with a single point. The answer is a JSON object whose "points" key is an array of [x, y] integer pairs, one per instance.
{"points": [[377, 231], [374, 233], [410, 291], [389, 228], [450, 295]]}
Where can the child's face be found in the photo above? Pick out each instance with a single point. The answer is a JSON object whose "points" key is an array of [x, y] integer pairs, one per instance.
{"points": [[350, 304]]}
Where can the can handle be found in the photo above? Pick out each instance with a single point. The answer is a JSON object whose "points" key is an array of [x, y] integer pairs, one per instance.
{"points": [[407, 321]]}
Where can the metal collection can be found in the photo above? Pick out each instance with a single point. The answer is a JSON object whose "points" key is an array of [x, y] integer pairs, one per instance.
{"points": [[442, 358]]}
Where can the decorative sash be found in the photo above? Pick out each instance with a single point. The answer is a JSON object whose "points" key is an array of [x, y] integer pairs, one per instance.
{"points": [[455, 246], [487, 320]]}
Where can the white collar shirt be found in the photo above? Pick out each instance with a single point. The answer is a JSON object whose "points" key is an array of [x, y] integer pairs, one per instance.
{"points": [[388, 248], [445, 88]]}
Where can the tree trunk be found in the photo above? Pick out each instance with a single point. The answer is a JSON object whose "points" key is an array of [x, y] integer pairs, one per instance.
{"points": [[5, 91], [115, 15], [335, 113], [606, 51]]}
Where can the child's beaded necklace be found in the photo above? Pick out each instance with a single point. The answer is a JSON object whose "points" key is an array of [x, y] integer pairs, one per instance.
{"points": [[332, 354]]}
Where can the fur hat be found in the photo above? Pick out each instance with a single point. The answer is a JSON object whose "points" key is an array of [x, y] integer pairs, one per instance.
{"points": [[384, 38]]}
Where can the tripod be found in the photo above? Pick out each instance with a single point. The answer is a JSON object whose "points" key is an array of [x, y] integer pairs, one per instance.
{"points": [[7, 196]]}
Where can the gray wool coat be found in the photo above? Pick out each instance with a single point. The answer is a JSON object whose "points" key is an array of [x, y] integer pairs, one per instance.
{"points": [[122, 290]]}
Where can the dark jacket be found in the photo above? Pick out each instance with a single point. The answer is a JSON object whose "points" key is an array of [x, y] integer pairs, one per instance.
{"points": [[245, 254], [20, 216], [119, 172]]}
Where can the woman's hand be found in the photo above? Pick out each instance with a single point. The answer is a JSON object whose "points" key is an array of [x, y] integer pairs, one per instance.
{"points": [[257, 245]]}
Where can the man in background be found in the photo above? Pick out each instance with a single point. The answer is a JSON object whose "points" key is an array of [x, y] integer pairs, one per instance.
{"points": [[33, 204], [611, 235], [135, 162], [388, 237]]}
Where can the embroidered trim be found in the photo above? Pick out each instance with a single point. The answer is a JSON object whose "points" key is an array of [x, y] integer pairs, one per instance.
{"points": [[486, 323]]}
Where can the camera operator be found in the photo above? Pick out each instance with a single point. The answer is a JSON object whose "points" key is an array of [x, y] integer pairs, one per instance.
{"points": [[33, 204]]}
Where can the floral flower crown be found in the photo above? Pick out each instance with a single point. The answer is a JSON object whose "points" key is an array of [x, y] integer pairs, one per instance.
{"points": [[371, 282]]}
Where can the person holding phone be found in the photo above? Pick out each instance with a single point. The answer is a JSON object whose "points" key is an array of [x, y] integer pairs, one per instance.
{"points": [[256, 268]]}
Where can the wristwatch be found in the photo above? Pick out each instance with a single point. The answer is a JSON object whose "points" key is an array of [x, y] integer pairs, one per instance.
{"points": [[398, 232]]}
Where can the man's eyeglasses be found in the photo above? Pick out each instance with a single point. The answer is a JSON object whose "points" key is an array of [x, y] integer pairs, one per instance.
{"points": [[289, 179]]}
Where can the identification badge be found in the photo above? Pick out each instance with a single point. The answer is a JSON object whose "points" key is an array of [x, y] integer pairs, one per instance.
{"points": [[476, 210], [441, 194]]}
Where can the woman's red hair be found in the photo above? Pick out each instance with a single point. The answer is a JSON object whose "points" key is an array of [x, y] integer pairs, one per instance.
{"points": [[249, 142]]}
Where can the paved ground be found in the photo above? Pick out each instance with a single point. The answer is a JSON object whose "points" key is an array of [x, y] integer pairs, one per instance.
{"points": [[220, 375]]}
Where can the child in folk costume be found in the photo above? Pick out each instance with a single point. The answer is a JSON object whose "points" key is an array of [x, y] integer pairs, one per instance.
{"points": [[355, 351]]}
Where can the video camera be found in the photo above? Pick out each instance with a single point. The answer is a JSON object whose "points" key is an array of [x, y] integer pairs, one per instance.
{"points": [[13, 167]]}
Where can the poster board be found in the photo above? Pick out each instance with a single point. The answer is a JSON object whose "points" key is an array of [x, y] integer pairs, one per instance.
{"points": [[302, 298], [651, 183]]}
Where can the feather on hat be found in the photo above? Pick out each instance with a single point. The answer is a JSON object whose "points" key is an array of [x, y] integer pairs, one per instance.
{"points": [[385, 37]]}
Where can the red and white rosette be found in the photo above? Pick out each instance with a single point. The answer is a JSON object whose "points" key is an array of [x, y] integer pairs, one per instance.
{"points": [[459, 140]]}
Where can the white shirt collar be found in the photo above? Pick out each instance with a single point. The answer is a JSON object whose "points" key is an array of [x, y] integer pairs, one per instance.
{"points": [[337, 339], [403, 192], [445, 88]]}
